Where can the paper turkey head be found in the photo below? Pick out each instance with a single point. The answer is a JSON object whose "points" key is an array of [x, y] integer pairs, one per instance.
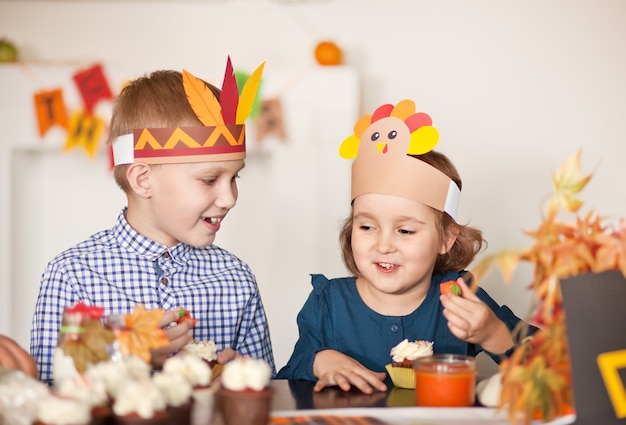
{"points": [[382, 143]]}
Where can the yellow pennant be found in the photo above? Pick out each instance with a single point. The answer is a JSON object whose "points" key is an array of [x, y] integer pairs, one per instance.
{"points": [[84, 130]]}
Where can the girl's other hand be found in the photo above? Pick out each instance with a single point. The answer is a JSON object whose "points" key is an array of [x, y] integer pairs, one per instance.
{"points": [[334, 368]]}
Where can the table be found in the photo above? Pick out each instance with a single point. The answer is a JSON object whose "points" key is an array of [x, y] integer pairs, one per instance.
{"points": [[294, 399]]}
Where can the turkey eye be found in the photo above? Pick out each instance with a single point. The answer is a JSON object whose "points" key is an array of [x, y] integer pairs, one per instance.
{"points": [[375, 136], [392, 134]]}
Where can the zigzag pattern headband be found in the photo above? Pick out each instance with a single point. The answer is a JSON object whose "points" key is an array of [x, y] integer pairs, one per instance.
{"points": [[222, 137]]}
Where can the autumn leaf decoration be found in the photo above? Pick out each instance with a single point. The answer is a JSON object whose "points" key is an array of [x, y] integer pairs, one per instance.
{"points": [[536, 379], [231, 108], [84, 339], [141, 333]]}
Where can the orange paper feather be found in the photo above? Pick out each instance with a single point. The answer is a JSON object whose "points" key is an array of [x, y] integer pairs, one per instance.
{"points": [[202, 100], [248, 94]]}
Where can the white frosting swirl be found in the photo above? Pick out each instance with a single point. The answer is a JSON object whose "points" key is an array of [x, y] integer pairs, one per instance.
{"points": [[61, 411], [406, 350], [206, 350], [246, 372], [175, 388], [137, 367], [85, 389], [142, 397], [195, 370], [113, 374]]}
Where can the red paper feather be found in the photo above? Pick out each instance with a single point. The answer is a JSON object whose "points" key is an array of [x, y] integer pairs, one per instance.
{"points": [[229, 98]]}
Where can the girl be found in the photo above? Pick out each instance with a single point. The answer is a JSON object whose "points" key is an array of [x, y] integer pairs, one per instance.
{"points": [[400, 242]]}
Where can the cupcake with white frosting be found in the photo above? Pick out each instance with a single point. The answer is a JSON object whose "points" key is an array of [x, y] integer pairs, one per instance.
{"points": [[53, 410], [178, 396], [206, 350], [245, 395], [402, 356], [195, 370], [116, 374], [140, 402], [91, 392]]}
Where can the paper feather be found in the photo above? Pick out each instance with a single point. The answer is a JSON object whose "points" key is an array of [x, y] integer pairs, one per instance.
{"points": [[202, 100], [248, 94], [229, 98]]}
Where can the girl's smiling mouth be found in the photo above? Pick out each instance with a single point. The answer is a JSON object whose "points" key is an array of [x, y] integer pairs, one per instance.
{"points": [[386, 267]]}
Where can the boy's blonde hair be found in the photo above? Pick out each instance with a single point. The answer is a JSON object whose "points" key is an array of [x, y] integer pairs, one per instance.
{"points": [[155, 100], [469, 241]]}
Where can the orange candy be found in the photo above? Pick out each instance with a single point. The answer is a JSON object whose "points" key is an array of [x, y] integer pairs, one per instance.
{"points": [[450, 287], [328, 53]]}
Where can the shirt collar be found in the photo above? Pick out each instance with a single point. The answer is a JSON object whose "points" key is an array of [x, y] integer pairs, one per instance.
{"points": [[135, 242]]}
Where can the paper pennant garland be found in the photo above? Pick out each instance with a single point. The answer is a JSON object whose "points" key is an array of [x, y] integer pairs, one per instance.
{"points": [[84, 130], [92, 86], [50, 109], [269, 121]]}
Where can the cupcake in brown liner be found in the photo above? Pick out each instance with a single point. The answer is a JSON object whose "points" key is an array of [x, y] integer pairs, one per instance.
{"points": [[140, 402], [198, 374], [245, 397], [91, 392], [206, 350], [178, 396], [402, 356]]}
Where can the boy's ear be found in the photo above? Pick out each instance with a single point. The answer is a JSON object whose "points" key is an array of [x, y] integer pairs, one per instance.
{"points": [[449, 238], [138, 175]]}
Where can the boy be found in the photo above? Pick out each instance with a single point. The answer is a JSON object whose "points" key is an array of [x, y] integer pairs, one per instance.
{"points": [[178, 147]]}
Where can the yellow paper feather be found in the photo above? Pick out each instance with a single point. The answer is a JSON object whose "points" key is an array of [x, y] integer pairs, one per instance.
{"points": [[248, 94], [202, 100]]}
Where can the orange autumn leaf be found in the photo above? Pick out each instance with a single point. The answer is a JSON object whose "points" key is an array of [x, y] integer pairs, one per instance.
{"points": [[142, 333], [506, 261], [536, 379], [567, 183]]}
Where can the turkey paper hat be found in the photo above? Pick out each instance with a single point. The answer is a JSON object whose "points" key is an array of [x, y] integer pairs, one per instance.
{"points": [[382, 143], [222, 138]]}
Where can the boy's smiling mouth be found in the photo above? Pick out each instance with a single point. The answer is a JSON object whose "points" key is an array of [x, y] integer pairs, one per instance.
{"points": [[212, 220]]}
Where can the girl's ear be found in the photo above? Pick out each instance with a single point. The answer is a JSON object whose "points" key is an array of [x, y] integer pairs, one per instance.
{"points": [[138, 175], [452, 232]]}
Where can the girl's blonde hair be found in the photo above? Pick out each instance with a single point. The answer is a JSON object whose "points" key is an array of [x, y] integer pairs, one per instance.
{"points": [[467, 245], [157, 100]]}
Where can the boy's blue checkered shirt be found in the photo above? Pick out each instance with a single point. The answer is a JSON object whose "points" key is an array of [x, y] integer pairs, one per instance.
{"points": [[119, 268]]}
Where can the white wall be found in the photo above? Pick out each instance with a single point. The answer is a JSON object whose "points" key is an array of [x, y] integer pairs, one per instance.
{"points": [[513, 87]]}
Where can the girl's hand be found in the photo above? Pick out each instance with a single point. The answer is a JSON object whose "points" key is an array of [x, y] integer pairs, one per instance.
{"points": [[334, 368], [179, 335], [473, 321]]}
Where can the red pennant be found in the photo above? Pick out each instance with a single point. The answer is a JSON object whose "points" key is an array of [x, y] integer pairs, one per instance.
{"points": [[92, 86]]}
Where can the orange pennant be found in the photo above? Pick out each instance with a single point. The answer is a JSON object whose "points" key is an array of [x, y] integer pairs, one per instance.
{"points": [[50, 109], [84, 130]]}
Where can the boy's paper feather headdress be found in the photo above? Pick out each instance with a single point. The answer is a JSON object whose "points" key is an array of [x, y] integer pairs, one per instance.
{"points": [[382, 143], [222, 137]]}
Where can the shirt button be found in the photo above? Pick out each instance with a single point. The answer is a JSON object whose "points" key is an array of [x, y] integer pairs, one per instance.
{"points": [[165, 281], [166, 254], [394, 328]]}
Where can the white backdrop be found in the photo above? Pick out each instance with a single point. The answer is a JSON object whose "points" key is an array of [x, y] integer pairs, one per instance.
{"points": [[513, 87]]}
